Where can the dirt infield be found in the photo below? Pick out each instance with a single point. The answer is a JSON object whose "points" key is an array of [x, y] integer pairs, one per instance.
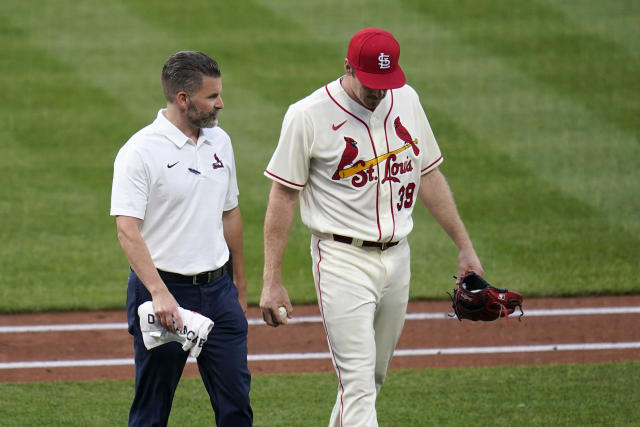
{"points": [[584, 330]]}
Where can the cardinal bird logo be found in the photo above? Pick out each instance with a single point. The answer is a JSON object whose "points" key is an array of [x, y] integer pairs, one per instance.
{"points": [[218, 163], [404, 135], [348, 156]]}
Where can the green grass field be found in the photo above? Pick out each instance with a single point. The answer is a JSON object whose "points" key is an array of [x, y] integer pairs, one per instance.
{"points": [[579, 395], [535, 105]]}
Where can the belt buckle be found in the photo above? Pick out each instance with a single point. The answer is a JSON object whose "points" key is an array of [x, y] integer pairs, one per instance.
{"points": [[195, 281]]}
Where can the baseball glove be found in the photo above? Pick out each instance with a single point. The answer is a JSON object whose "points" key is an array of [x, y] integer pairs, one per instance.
{"points": [[475, 299]]}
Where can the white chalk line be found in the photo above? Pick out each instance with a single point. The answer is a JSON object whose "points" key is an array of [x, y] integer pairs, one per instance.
{"points": [[255, 321], [309, 356]]}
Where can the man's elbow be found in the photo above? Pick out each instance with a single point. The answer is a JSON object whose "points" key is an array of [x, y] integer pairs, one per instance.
{"points": [[127, 230], [283, 194], [231, 213]]}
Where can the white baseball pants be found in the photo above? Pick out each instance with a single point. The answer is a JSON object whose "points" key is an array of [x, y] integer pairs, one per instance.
{"points": [[362, 294]]}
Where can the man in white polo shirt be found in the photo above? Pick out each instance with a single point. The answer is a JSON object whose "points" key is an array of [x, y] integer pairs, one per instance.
{"points": [[175, 199]]}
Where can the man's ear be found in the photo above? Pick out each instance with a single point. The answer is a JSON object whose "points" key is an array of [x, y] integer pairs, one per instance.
{"points": [[182, 100], [348, 68]]}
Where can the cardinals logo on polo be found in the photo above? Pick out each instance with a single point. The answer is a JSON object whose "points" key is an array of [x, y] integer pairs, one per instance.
{"points": [[348, 156], [218, 163], [404, 135]]}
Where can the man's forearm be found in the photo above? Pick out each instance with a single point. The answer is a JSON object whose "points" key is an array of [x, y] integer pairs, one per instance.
{"points": [[277, 224], [138, 254], [232, 226], [436, 195], [165, 306]]}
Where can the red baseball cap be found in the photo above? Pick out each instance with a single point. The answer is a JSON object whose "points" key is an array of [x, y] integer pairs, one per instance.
{"points": [[374, 53]]}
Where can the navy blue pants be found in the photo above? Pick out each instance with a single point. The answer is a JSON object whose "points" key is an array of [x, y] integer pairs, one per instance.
{"points": [[222, 362]]}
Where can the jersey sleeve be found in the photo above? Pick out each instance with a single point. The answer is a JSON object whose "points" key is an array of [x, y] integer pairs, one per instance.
{"points": [[432, 157], [289, 164], [130, 187]]}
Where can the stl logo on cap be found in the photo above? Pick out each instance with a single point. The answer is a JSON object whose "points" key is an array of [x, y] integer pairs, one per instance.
{"points": [[374, 54], [383, 61]]}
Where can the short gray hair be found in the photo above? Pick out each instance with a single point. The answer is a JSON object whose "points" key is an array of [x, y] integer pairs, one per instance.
{"points": [[183, 71]]}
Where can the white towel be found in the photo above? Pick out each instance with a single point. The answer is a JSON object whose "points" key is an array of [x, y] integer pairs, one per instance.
{"points": [[193, 335]]}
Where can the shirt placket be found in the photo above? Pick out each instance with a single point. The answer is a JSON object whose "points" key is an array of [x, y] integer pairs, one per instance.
{"points": [[384, 189], [196, 164]]}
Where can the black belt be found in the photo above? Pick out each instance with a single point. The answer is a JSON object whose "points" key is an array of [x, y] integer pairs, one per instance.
{"points": [[349, 241], [198, 279]]}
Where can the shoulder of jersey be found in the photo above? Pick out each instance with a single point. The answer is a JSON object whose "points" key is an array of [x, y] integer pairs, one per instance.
{"points": [[406, 90], [318, 96]]}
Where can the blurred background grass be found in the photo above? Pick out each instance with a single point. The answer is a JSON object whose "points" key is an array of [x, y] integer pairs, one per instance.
{"points": [[535, 105]]}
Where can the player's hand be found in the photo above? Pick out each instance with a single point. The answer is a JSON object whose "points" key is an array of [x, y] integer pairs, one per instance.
{"points": [[468, 261], [165, 308], [273, 297]]}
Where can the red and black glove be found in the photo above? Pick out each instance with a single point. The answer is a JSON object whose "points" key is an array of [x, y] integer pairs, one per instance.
{"points": [[475, 299]]}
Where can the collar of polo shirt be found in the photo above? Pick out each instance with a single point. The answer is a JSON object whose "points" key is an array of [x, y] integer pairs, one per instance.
{"points": [[176, 136]]}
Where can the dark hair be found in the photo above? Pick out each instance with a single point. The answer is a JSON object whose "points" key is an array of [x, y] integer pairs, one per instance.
{"points": [[183, 71]]}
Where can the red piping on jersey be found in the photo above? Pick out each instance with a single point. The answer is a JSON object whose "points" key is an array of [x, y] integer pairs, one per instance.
{"points": [[326, 87], [284, 180], [324, 323], [386, 138], [433, 163]]}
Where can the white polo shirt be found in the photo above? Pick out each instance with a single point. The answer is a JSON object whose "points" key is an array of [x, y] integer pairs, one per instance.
{"points": [[358, 170], [180, 190]]}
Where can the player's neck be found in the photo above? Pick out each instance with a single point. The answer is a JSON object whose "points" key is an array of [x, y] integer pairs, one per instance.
{"points": [[347, 83]]}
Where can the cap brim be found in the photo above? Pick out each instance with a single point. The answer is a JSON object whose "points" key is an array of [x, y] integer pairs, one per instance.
{"points": [[392, 80]]}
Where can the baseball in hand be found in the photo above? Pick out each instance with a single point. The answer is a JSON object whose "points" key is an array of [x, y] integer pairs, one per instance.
{"points": [[283, 313]]}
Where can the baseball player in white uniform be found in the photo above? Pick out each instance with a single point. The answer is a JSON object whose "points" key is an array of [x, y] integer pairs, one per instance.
{"points": [[358, 153]]}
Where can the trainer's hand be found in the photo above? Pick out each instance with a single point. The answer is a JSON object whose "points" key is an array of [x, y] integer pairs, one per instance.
{"points": [[165, 308], [272, 298]]}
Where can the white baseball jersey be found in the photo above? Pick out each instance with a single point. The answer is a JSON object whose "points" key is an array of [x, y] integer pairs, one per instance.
{"points": [[358, 170], [179, 189]]}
